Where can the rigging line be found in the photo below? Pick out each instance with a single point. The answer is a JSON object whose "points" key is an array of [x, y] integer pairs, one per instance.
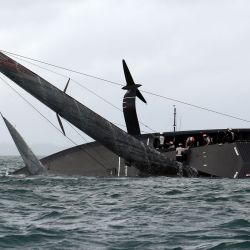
{"points": [[109, 103], [121, 125], [36, 109], [147, 92], [52, 71], [79, 84], [84, 87], [88, 153], [96, 152], [117, 124], [51, 122], [196, 106], [64, 68]]}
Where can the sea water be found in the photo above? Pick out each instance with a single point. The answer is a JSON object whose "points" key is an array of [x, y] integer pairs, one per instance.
{"points": [[60, 212]]}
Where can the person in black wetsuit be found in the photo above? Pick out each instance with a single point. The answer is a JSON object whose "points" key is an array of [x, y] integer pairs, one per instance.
{"points": [[229, 136], [206, 139]]}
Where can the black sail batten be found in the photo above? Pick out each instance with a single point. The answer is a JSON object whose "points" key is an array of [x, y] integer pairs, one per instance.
{"points": [[33, 165], [145, 158], [129, 105]]}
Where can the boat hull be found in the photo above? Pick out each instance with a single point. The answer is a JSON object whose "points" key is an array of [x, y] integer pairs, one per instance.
{"points": [[219, 160], [227, 160]]}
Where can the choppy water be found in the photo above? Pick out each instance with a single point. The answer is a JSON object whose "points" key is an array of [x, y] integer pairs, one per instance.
{"points": [[56, 212]]}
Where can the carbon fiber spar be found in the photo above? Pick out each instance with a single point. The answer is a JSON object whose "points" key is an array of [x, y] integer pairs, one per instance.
{"points": [[143, 157]]}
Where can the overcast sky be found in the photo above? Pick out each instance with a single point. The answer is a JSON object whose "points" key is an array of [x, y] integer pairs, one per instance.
{"points": [[193, 51]]}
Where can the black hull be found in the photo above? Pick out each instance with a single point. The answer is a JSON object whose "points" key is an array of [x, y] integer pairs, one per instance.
{"points": [[228, 160]]}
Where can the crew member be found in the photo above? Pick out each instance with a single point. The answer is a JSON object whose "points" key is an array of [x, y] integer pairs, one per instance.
{"points": [[161, 141], [229, 136], [156, 142], [206, 139], [190, 142], [179, 152], [170, 145]]}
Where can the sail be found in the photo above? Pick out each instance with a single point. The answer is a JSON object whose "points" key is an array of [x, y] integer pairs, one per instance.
{"points": [[34, 166], [144, 157]]}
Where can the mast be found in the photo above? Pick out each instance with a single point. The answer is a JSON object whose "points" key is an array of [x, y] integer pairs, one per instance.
{"points": [[174, 118], [145, 158]]}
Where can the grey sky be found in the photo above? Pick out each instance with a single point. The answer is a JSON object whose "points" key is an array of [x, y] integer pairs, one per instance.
{"points": [[195, 51]]}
